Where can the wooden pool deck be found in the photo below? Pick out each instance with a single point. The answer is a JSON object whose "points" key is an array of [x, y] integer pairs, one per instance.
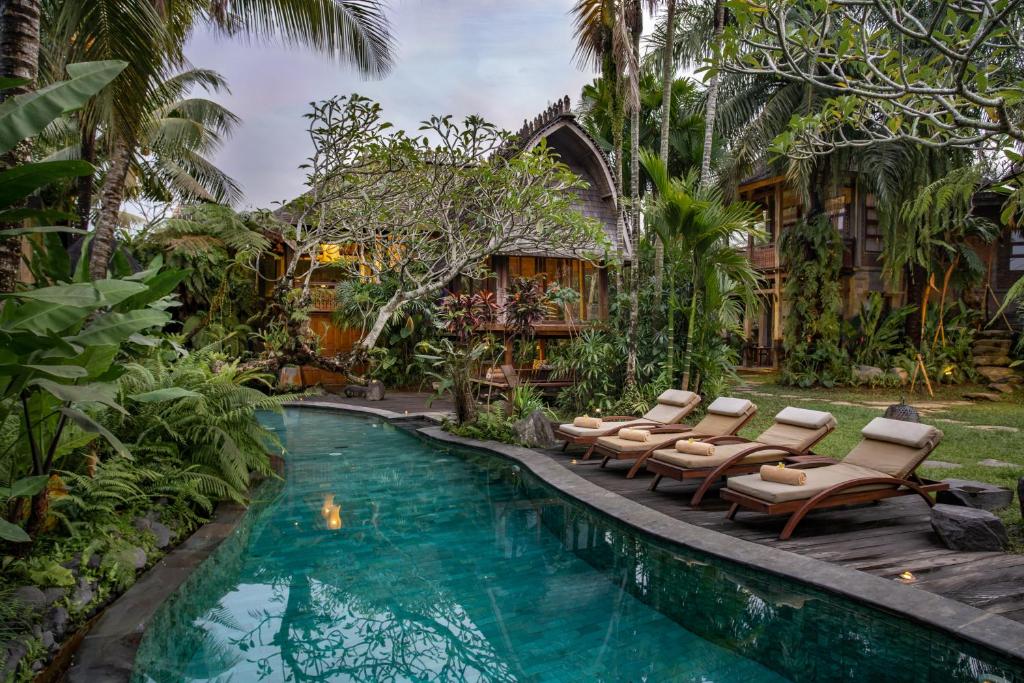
{"points": [[885, 539]]}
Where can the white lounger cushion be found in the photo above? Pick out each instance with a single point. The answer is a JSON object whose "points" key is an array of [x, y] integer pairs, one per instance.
{"points": [[617, 444], [606, 427], [801, 417], [911, 434], [722, 453], [733, 407], [818, 479], [678, 397]]}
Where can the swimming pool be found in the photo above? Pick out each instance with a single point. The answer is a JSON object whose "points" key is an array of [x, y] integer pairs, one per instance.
{"points": [[442, 566]]}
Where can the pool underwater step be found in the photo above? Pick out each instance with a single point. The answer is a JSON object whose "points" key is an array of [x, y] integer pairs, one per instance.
{"points": [[981, 627]]}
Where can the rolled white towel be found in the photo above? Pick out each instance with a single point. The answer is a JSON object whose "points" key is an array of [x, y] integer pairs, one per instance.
{"points": [[587, 422], [691, 447], [634, 434], [780, 474]]}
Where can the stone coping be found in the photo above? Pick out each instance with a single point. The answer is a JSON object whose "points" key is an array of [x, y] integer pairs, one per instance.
{"points": [[363, 410], [992, 631], [107, 653]]}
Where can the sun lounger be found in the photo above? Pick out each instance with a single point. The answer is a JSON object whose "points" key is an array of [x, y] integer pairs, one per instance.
{"points": [[883, 465], [795, 432], [672, 407], [725, 416]]}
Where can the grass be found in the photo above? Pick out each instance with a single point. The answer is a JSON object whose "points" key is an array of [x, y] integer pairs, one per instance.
{"points": [[962, 443]]}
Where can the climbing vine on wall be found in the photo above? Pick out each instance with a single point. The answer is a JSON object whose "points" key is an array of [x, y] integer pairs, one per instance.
{"points": [[812, 254]]}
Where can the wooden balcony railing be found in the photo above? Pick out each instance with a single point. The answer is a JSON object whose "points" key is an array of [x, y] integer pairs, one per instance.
{"points": [[762, 256]]}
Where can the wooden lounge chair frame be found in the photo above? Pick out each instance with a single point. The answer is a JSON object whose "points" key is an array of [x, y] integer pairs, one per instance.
{"points": [[834, 496], [664, 429], [590, 439], [710, 475]]}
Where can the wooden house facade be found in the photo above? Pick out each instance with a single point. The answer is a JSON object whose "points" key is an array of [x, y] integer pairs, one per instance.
{"points": [[580, 152], [854, 213]]}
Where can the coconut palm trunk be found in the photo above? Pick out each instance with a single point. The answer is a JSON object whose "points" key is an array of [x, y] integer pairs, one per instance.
{"points": [[667, 77], [111, 196], [691, 327], [711, 111], [19, 58], [634, 195]]}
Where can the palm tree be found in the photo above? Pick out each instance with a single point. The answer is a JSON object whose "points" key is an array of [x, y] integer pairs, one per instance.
{"points": [[698, 229], [151, 37], [170, 162], [19, 60]]}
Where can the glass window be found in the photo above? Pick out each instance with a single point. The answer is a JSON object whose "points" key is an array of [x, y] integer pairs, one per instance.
{"points": [[1017, 250]]}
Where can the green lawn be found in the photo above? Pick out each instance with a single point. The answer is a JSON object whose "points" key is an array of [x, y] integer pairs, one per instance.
{"points": [[962, 443]]}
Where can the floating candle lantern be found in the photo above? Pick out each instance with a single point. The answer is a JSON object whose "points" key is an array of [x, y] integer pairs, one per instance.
{"points": [[334, 518], [328, 504]]}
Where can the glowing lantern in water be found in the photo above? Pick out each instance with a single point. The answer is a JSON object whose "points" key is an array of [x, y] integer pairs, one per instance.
{"points": [[328, 504], [334, 518]]}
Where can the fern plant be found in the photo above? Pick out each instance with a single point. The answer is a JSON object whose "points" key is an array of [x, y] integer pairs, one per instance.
{"points": [[201, 423]]}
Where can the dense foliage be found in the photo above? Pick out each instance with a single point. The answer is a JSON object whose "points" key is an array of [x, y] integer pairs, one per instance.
{"points": [[812, 254]]}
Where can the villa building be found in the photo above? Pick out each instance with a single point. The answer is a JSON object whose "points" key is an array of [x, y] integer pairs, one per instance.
{"points": [[855, 214], [580, 152]]}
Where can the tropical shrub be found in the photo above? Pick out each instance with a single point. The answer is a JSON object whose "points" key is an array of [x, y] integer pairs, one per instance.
{"points": [[221, 250], [874, 336], [595, 362], [812, 253], [526, 305], [393, 362]]}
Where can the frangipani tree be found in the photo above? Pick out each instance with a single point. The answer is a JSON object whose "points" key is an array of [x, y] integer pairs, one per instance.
{"points": [[421, 210], [938, 74]]}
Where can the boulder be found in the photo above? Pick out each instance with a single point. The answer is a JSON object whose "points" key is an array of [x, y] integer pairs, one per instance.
{"points": [[1001, 360], [31, 596], [996, 374], [1002, 388], [47, 639], [865, 374], [375, 390], [535, 431], [975, 494], [981, 396], [903, 375], [13, 651], [56, 621], [83, 594], [964, 528], [54, 594], [160, 532], [989, 346]]}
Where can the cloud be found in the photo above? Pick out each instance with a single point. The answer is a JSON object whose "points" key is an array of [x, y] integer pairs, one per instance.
{"points": [[502, 59]]}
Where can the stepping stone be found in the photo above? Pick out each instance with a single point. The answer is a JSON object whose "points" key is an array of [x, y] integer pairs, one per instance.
{"points": [[982, 396], [951, 421], [941, 465], [1003, 388], [964, 528], [975, 494], [841, 403], [990, 462], [993, 428]]}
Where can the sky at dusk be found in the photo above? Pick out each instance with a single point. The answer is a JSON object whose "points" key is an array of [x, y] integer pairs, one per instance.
{"points": [[503, 59]]}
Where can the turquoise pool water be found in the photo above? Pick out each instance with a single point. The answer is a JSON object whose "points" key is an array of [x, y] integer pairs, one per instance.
{"points": [[458, 567]]}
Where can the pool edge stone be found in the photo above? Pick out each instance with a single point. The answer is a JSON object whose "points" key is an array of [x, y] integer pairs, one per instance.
{"points": [[107, 652], [989, 630]]}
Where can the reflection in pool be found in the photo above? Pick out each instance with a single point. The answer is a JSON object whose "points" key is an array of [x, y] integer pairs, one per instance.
{"points": [[391, 560]]}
